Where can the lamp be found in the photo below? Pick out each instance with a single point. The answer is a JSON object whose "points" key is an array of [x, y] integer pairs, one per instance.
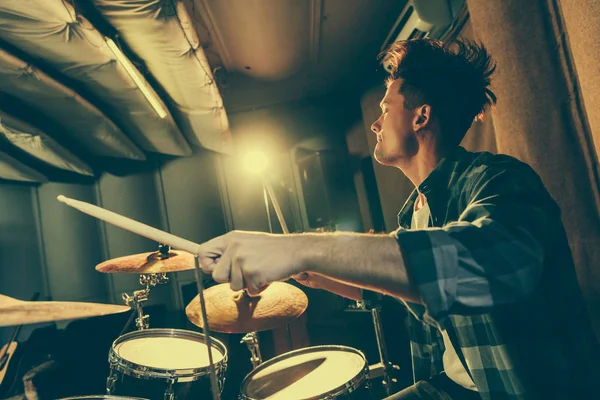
{"points": [[137, 79]]}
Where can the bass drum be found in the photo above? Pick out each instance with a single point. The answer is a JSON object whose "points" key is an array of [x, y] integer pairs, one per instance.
{"points": [[315, 373], [164, 364]]}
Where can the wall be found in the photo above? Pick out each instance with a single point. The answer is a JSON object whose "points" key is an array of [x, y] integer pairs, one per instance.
{"points": [[278, 131], [51, 248]]}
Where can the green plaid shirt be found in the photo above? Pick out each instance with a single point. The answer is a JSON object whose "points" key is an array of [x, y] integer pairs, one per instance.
{"points": [[495, 271]]}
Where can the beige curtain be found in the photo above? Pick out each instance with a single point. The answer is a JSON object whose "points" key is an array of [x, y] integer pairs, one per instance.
{"points": [[541, 117]]}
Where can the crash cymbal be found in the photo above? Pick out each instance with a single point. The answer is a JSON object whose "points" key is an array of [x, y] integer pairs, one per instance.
{"points": [[17, 312], [236, 312], [149, 263]]}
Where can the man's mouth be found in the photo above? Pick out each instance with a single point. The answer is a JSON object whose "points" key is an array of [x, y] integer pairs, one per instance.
{"points": [[379, 139]]}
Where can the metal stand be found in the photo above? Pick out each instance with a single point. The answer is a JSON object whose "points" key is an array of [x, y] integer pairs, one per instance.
{"points": [[384, 366], [251, 340], [270, 194], [136, 300]]}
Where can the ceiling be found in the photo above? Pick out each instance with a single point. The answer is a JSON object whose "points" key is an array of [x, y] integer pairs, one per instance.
{"points": [[83, 80], [270, 52]]}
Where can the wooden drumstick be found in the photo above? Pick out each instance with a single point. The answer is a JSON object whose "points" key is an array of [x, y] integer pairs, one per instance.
{"points": [[131, 225]]}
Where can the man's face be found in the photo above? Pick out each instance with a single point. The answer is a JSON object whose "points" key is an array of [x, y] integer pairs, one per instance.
{"points": [[396, 138]]}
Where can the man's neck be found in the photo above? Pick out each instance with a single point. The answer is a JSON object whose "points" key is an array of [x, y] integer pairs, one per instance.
{"points": [[421, 164]]}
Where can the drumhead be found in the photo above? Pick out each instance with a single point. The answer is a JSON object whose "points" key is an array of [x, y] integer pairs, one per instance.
{"points": [[165, 350], [306, 374]]}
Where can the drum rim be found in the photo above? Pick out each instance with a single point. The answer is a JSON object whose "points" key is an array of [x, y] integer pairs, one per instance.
{"points": [[345, 388], [131, 368]]}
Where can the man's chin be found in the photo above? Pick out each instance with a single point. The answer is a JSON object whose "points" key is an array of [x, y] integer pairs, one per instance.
{"points": [[381, 158]]}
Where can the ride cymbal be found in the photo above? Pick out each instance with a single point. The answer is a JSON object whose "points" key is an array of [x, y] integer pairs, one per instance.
{"points": [[149, 263], [236, 312], [18, 312]]}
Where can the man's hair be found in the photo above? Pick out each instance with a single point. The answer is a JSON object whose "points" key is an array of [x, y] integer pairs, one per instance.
{"points": [[453, 78]]}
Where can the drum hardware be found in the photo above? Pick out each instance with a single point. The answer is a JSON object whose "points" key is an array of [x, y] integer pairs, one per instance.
{"points": [[161, 237], [251, 340], [111, 382], [372, 302], [136, 300], [170, 363]]}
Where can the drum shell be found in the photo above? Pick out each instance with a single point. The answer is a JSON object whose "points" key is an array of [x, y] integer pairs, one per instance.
{"points": [[132, 379], [155, 389]]}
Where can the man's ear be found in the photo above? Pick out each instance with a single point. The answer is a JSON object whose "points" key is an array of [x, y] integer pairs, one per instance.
{"points": [[422, 117]]}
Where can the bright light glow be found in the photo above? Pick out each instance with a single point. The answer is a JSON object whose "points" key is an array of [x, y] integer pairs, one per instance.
{"points": [[134, 74], [255, 162]]}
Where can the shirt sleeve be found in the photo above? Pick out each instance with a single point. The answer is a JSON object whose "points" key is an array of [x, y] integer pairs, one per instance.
{"points": [[493, 255]]}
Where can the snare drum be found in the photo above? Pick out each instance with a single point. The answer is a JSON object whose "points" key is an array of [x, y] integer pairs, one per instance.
{"points": [[319, 372], [164, 364]]}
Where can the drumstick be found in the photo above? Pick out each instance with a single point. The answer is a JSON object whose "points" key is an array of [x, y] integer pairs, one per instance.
{"points": [[211, 366], [161, 237], [131, 225]]}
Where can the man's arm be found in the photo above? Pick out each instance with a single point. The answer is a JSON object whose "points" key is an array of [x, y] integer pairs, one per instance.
{"points": [[367, 261], [251, 260], [321, 282], [492, 255]]}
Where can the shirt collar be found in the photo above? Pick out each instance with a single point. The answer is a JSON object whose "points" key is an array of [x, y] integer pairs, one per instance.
{"points": [[435, 188]]}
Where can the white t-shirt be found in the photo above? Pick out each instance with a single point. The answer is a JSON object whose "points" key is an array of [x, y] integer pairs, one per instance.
{"points": [[453, 367]]}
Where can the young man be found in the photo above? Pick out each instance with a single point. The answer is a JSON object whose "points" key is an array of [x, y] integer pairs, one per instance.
{"points": [[481, 258]]}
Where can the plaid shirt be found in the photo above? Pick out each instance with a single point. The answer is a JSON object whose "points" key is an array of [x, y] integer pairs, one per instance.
{"points": [[495, 271]]}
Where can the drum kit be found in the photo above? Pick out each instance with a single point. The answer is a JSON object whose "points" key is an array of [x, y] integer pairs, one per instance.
{"points": [[170, 364]]}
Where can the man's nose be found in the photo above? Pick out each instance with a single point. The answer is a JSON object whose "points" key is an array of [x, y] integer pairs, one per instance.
{"points": [[375, 127]]}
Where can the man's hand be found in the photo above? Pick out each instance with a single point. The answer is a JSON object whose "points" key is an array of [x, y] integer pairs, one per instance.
{"points": [[251, 260]]}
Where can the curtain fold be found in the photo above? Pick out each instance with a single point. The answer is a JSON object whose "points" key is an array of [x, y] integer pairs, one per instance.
{"points": [[541, 120]]}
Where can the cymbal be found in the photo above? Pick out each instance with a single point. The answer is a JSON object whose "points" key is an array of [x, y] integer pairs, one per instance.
{"points": [[17, 312], [236, 312], [149, 263]]}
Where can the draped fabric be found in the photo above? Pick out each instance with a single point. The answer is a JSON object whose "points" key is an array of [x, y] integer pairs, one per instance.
{"points": [[541, 117]]}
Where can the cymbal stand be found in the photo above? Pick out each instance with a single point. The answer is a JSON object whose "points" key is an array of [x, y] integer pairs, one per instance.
{"points": [[269, 193], [251, 340], [383, 367], [136, 300]]}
